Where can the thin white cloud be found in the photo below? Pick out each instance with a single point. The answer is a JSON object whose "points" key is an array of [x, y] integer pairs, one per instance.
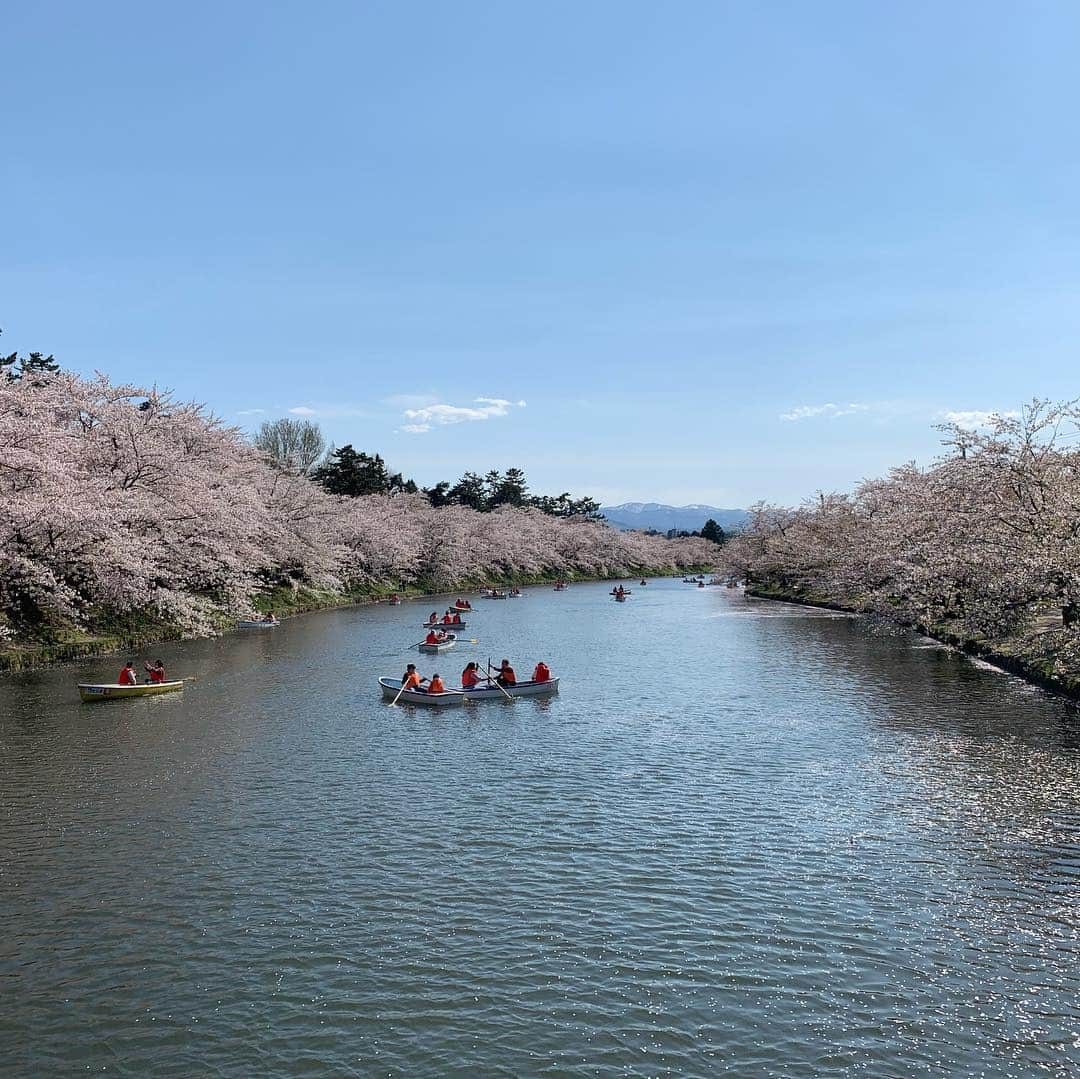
{"points": [[411, 400], [303, 410], [251, 411], [973, 419], [829, 411], [422, 420]]}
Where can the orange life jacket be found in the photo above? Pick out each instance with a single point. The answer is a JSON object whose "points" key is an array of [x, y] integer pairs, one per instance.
{"points": [[412, 680], [432, 637], [506, 676], [469, 677], [541, 674], [436, 685], [127, 678]]}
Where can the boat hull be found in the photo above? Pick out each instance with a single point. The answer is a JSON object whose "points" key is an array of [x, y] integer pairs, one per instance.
{"points": [[450, 699], [435, 649], [91, 692], [522, 689], [254, 623], [449, 627]]}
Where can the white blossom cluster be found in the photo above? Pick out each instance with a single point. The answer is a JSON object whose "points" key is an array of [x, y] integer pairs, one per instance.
{"points": [[982, 540]]}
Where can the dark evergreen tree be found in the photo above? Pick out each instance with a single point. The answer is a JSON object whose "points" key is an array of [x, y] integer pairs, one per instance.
{"points": [[712, 531], [439, 495], [470, 491], [510, 489], [347, 472], [37, 363]]}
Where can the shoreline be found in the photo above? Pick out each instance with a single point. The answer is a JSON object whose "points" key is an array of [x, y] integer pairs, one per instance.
{"points": [[1030, 668], [19, 657]]}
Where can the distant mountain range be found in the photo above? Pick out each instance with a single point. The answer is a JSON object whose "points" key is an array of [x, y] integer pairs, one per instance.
{"points": [[660, 517]]}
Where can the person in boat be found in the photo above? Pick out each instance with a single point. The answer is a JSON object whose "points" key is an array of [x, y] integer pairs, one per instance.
{"points": [[436, 684], [435, 637], [515, 591], [541, 673], [411, 679], [506, 676], [456, 620], [269, 617], [448, 619], [470, 676], [127, 676], [155, 671], [433, 618]]}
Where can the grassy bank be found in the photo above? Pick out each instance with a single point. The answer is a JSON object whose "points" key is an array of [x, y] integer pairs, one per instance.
{"points": [[109, 634], [1037, 657]]}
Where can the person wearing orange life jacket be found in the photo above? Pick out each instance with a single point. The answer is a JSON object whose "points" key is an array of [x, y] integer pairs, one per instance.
{"points": [[506, 676], [156, 672], [432, 637], [127, 676], [447, 619], [470, 676], [434, 617], [411, 679], [456, 621], [541, 674], [436, 684]]}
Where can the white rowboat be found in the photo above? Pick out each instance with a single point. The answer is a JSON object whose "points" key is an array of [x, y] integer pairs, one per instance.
{"points": [[256, 623], [444, 625], [441, 646]]}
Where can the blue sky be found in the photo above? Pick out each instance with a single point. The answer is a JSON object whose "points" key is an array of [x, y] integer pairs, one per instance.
{"points": [[663, 227]]}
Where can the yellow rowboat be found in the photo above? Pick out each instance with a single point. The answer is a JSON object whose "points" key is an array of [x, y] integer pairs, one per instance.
{"points": [[113, 691]]}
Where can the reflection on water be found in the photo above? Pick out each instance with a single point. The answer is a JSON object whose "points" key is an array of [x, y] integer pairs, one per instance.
{"points": [[745, 837]]}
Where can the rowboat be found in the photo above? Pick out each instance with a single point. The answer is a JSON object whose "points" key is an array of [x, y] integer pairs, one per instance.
{"points": [[392, 686], [620, 597], [441, 646], [494, 595], [462, 607], [111, 691], [443, 625], [621, 592], [522, 689], [257, 623]]}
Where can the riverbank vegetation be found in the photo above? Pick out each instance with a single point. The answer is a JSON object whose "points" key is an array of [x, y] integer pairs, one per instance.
{"points": [[120, 503], [981, 548]]}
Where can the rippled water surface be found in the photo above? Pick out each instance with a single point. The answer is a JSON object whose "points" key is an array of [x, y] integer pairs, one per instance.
{"points": [[745, 838]]}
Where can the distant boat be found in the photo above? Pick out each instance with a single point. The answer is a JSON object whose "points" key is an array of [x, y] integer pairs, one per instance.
{"points": [[257, 623], [438, 646], [444, 625], [111, 691]]}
